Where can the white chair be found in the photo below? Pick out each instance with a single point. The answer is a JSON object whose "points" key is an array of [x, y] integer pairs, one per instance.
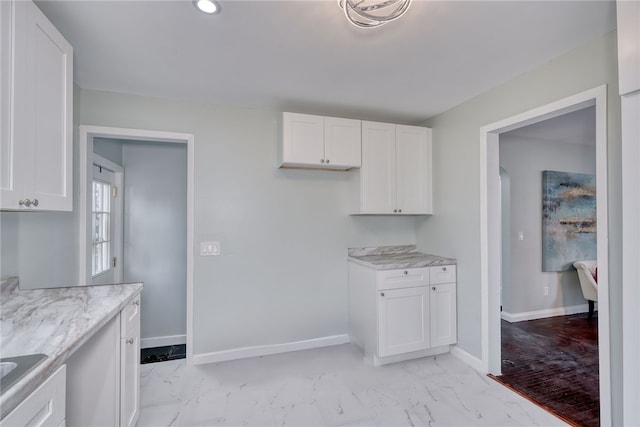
{"points": [[586, 275]]}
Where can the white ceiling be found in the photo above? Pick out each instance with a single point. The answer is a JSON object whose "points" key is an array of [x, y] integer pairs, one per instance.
{"points": [[578, 127], [304, 56]]}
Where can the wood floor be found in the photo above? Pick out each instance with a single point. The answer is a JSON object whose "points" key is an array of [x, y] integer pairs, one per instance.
{"points": [[554, 362]]}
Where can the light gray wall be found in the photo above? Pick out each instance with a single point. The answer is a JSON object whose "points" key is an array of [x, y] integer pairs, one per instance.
{"points": [[282, 273], [110, 149], [155, 233], [524, 158], [39, 247], [454, 229], [505, 200]]}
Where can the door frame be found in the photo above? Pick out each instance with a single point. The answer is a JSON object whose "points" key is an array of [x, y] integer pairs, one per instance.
{"points": [[118, 224], [87, 134], [490, 230]]}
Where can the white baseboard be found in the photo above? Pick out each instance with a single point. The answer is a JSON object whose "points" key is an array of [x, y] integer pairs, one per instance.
{"points": [[265, 350], [163, 341], [541, 314], [467, 358]]}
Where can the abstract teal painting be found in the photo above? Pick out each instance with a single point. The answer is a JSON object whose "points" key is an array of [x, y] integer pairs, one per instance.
{"points": [[568, 219]]}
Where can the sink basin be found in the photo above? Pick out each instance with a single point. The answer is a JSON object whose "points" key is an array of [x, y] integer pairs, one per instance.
{"points": [[12, 369], [6, 367]]}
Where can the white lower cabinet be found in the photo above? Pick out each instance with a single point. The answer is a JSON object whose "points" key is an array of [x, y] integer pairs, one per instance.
{"points": [[104, 374], [45, 407], [403, 321], [130, 364], [442, 308], [402, 314]]}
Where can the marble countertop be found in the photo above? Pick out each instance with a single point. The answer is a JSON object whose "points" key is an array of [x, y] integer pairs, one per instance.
{"points": [[395, 257], [55, 322]]}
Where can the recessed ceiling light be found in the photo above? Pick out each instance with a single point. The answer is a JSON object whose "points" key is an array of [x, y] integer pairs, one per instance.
{"points": [[207, 6]]}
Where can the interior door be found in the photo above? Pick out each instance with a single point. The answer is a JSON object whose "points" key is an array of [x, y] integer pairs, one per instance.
{"points": [[102, 236]]}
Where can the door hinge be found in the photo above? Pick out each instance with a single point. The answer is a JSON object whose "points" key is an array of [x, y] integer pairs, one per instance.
{"points": [[114, 262], [114, 191]]}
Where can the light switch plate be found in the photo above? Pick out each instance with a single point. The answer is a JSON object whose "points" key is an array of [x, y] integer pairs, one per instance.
{"points": [[209, 248]]}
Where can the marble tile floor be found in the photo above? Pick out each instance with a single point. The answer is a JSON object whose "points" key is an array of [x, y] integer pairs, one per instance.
{"points": [[330, 386]]}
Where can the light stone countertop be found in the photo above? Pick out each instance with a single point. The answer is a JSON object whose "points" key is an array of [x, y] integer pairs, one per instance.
{"points": [[395, 257], [55, 322]]}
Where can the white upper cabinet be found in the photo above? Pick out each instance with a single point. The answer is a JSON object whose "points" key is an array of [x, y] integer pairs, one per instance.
{"points": [[395, 175], [413, 169], [628, 46], [378, 169], [37, 92], [319, 142]]}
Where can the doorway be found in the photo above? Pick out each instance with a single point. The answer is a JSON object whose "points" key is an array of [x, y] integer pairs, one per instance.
{"points": [[149, 156], [549, 345], [490, 235]]}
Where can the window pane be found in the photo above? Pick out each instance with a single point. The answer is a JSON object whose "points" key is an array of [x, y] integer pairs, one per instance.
{"points": [[97, 258], [106, 201], [97, 196], [105, 256], [106, 228], [96, 227]]}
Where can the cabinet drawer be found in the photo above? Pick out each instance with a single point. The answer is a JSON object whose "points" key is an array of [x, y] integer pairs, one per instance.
{"points": [[442, 274], [130, 318], [403, 278], [44, 407]]}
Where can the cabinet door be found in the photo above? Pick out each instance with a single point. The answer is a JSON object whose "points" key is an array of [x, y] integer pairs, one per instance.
{"points": [[378, 169], [40, 149], [45, 407], [413, 169], [403, 320], [302, 139], [11, 185], [130, 364], [342, 142], [93, 379], [443, 314]]}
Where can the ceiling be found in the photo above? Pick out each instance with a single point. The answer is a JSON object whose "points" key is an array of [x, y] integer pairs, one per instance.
{"points": [[304, 56], [577, 127]]}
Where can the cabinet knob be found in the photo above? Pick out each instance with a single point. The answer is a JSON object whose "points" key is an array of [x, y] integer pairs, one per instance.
{"points": [[327, 161], [444, 268], [136, 302], [434, 288], [129, 341], [27, 202], [399, 210], [321, 160], [381, 294], [395, 210], [406, 272]]}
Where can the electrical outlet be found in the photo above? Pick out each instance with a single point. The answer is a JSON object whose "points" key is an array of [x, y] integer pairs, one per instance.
{"points": [[209, 248], [546, 291]]}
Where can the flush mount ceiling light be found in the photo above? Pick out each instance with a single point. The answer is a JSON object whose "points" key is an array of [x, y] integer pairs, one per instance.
{"points": [[373, 13], [207, 6]]}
